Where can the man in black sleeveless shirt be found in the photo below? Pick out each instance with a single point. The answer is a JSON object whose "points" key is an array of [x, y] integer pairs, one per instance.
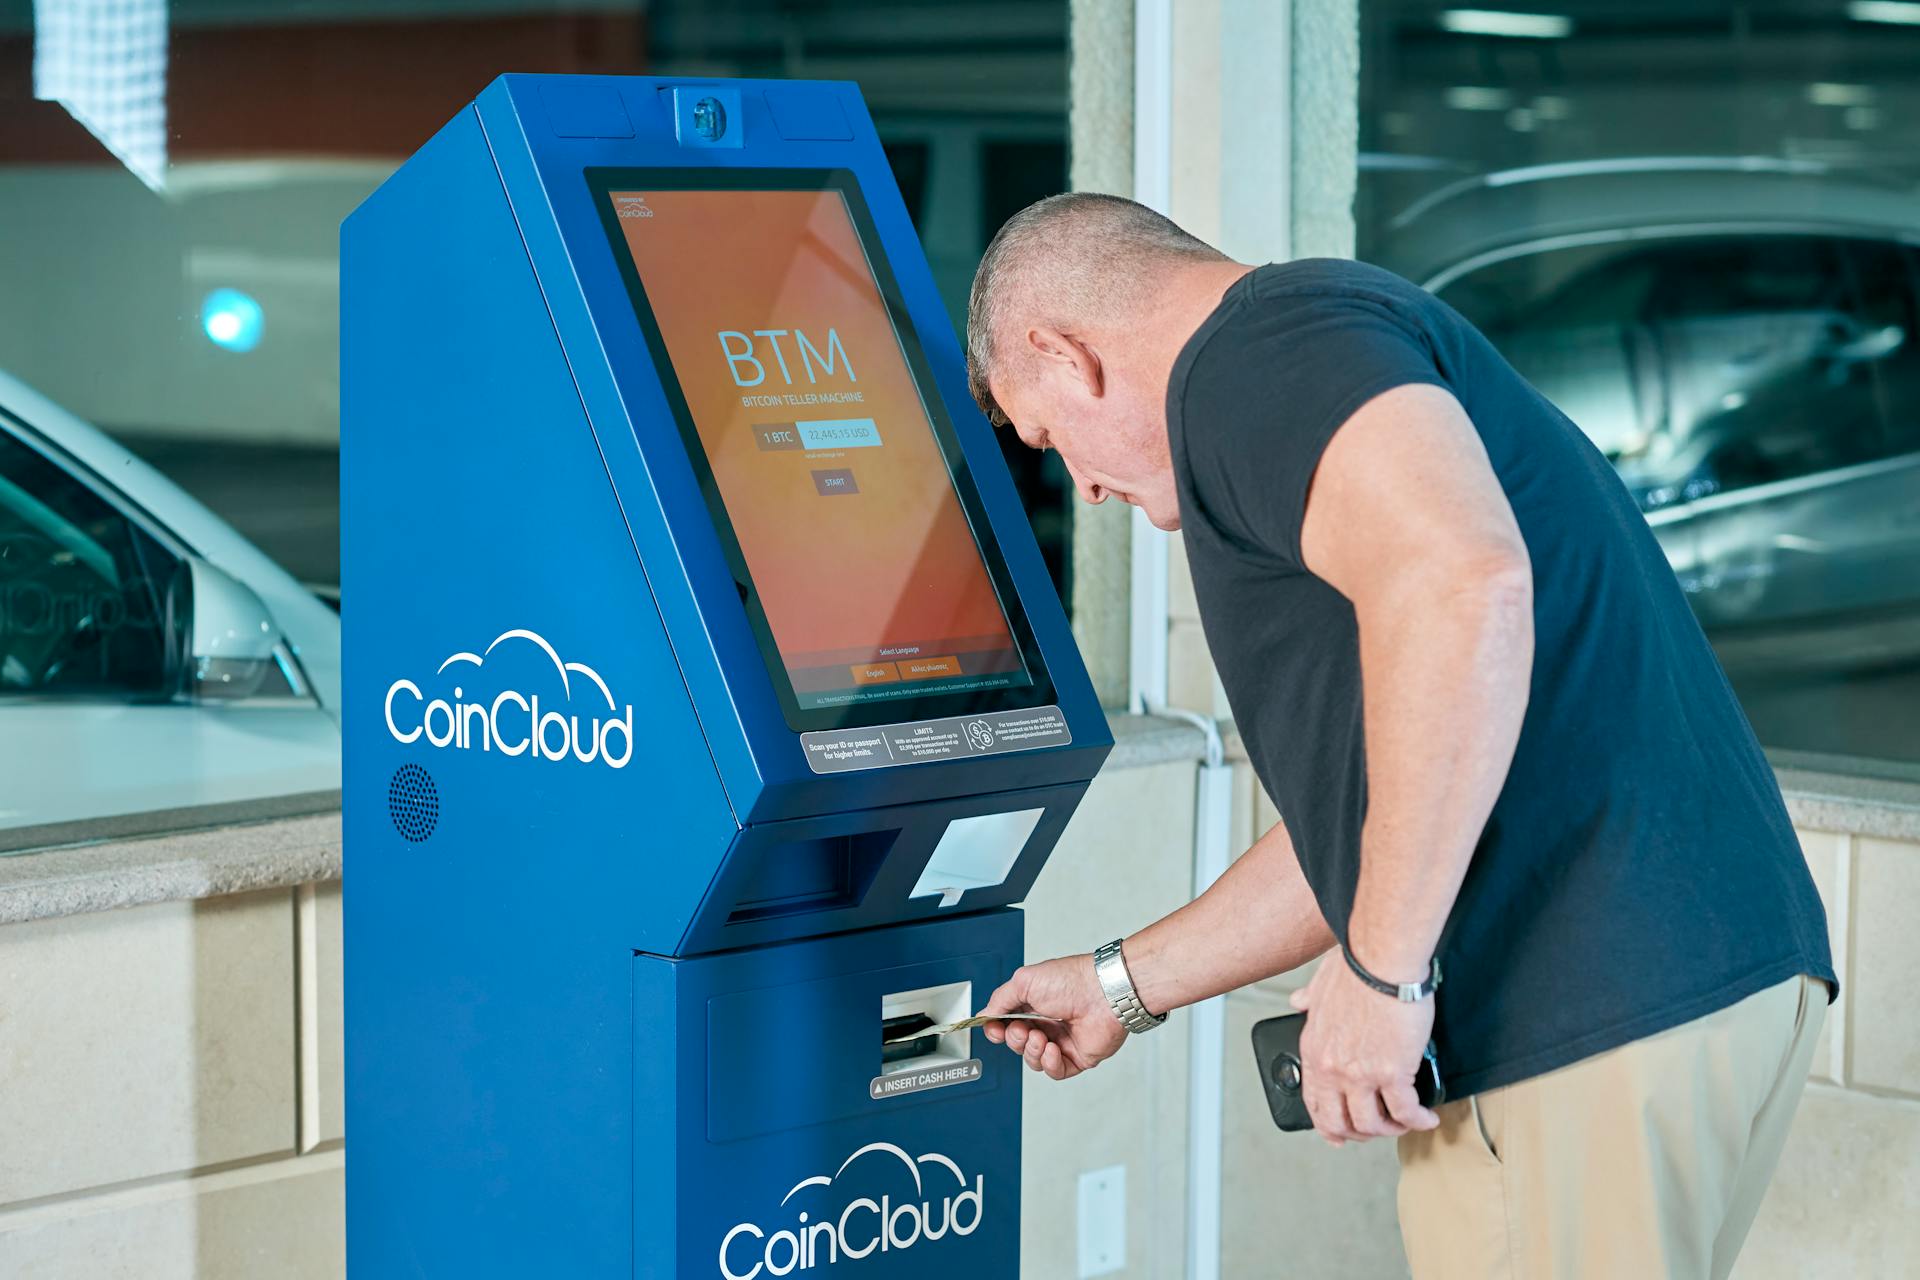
{"points": [[1545, 837]]}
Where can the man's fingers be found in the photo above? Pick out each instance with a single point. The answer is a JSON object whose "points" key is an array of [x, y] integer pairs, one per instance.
{"points": [[1300, 1000], [1329, 1111], [1036, 1047], [1010, 996], [1369, 1117], [1403, 1104]]}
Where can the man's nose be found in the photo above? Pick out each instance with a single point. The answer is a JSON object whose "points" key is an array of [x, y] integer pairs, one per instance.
{"points": [[1090, 493]]}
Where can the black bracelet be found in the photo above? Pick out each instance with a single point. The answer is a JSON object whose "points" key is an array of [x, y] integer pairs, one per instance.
{"points": [[1405, 992]]}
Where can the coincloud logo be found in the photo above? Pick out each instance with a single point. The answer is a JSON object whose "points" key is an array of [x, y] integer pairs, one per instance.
{"points": [[863, 1226], [513, 722]]}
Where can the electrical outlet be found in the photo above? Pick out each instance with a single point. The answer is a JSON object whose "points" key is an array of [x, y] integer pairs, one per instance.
{"points": [[1103, 1221]]}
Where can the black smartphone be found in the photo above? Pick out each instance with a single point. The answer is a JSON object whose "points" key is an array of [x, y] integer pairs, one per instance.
{"points": [[1276, 1054]]}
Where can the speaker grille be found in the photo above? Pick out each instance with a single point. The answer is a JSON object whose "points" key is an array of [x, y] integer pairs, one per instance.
{"points": [[413, 803]]}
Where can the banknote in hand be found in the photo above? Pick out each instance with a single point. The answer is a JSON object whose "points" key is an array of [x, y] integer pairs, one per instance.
{"points": [[965, 1024]]}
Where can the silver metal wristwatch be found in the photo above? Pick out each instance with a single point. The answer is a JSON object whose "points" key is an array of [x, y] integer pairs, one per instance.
{"points": [[1110, 967]]}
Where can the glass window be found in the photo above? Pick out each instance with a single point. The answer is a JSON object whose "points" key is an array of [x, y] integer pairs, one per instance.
{"points": [[199, 323], [88, 599], [169, 252], [1693, 229], [1713, 363]]}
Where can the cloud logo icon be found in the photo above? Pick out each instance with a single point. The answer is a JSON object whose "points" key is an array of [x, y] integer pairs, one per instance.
{"points": [[911, 1162], [479, 659]]}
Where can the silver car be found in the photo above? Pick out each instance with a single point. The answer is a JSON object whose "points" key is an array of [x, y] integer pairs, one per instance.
{"points": [[1740, 337], [150, 657]]}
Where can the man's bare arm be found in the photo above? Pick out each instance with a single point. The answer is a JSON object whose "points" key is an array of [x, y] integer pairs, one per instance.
{"points": [[1407, 520], [1257, 920]]}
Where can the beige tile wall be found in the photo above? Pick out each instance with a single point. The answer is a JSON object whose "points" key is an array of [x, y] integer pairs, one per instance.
{"points": [[1842, 1202], [1190, 677], [278, 1222], [1883, 1022], [153, 1063], [145, 1042], [329, 1018], [1294, 1206], [1125, 860], [150, 1087], [159, 1067], [1828, 855], [1842, 1205]]}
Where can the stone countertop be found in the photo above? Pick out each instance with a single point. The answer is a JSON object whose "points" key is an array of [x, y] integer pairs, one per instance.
{"points": [[1140, 741], [100, 866], [207, 863], [1855, 805], [119, 870]]}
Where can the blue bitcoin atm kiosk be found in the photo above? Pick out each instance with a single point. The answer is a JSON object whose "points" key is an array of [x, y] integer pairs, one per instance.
{"points": [[708, 705]]}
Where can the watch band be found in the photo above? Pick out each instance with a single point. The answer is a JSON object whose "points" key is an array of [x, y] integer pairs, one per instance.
{"points": [[1110, 967], [1404, 992]]}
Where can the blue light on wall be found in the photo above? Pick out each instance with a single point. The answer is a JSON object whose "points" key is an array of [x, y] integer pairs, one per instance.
{"points": [[232, 320]]}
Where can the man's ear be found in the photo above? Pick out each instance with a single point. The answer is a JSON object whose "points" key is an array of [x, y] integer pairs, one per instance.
{"points": [[1063, 353]]}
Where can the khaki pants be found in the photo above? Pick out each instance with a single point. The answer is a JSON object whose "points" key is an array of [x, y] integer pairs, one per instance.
{"points": [[1642, 1163]]}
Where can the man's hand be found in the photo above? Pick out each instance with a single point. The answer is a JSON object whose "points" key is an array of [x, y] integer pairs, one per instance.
{"points": [[1358, 1055], [1086, 1034]]}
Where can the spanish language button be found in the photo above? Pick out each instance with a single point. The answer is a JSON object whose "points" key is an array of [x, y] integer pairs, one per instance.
{"points": [[928, 668]]}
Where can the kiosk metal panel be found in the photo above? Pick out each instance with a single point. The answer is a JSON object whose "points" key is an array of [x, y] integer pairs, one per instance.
{"points": [[701, 843], [771, 770]]}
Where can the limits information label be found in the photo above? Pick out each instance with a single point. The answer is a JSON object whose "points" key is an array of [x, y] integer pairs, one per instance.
{"points": [[953, 738]]}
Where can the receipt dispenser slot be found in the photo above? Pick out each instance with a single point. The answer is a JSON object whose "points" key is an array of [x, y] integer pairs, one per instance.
{"points": [[976, 853], [819, 874]]}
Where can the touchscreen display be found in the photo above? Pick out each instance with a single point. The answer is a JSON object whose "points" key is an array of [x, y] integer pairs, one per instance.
{"points": [[870, 582]]}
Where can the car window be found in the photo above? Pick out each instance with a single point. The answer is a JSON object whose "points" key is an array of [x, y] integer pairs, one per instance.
{"points": [[90, 604], [1887, 277], [1559, 287], [1754, 276], [1571, 321], [1708, 364]]}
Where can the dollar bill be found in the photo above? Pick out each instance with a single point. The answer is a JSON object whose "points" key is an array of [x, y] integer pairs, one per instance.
{"points": [[965, 1024]]}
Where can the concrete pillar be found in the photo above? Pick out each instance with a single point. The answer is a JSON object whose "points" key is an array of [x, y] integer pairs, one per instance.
{"points": [[1100, 119], [1326, 126], [1263, 158]]}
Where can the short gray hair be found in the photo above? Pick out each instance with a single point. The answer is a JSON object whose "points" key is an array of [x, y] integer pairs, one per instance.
{"points": [[1064, 260]]}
